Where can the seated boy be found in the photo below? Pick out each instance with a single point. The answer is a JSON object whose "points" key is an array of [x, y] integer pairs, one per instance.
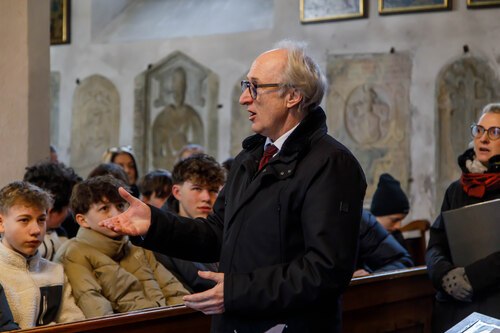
{"points": [[197, 180], [155, 187], [58, 180], [109, 274], [36, 289]]}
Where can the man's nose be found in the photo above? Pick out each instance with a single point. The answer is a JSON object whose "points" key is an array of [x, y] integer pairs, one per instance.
{"points": [[245, 97]]}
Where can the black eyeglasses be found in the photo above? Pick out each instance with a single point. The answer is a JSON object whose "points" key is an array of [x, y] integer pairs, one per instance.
{"points": [[252, 88], [477, 131]]}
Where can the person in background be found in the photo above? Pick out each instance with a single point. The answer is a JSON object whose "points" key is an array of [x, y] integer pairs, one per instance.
{"points": [[58, 180], [196, 182], [189, 150], [390, 206], [476, 287], [109, 274], [378, 251], [36, 289], [109, 169], [124, 157], [155, 187], [285, 226]]}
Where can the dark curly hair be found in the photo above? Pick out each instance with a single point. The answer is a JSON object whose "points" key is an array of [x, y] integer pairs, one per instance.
{"points": [[109, 169], [199, 168], [158, 182], [94, 190], [56, 178]]}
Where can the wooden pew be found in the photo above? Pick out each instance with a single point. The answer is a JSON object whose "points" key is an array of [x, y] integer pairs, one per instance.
{"points": [[157, 320], [399, 301]]}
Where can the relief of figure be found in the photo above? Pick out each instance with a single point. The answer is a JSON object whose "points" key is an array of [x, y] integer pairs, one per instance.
{"points": [[176, 125], [367, 116]]}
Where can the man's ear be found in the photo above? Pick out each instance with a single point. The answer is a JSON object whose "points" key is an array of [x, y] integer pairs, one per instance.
{"points": [[176, 191], [2, 229], [293, 98], [80, 219]]}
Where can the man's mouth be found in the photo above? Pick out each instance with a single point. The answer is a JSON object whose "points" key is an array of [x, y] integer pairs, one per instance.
{"points": [[484, 149], [251, 115]]}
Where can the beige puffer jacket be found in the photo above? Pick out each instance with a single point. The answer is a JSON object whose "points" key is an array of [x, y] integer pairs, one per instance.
{"points": [[110, 276]]}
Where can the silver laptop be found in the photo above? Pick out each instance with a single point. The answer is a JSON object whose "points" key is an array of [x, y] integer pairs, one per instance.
{"points": [[473, 231]]}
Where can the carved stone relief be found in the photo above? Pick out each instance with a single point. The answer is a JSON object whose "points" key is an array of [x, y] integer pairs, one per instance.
{"points": [[176, 104], [240, 125], [95, 122], [368, 110], [464, 87], [55, 85]]}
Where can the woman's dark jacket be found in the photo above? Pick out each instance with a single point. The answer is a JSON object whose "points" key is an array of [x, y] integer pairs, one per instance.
{"points": [[484, 274], [379, 251], [286, 236]]}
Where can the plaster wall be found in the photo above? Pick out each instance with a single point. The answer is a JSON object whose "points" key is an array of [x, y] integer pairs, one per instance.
{"points": [[432, 40]]}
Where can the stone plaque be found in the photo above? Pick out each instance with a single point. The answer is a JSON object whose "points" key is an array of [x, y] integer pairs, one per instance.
{"points": [[176, 104], [368, 110], [240, 125], [464, 87], [95, 122]]}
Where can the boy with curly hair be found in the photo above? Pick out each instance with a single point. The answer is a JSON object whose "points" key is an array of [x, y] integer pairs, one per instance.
{"points": [[109, 274]]}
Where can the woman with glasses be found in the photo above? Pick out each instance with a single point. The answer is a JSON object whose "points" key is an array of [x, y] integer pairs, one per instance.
{"points": [[124, 157], [476, 287]]}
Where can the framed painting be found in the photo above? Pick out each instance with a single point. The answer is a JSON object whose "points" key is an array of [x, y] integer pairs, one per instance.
{"points": [[59, 22], [482, 3], [411, 6], [331, 10]]}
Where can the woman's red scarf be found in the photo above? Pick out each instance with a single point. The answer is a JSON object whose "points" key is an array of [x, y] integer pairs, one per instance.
{"points": [[476, 184]]}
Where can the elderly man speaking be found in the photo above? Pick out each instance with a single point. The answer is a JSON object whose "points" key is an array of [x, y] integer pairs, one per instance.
{"points": [[285, 226]]}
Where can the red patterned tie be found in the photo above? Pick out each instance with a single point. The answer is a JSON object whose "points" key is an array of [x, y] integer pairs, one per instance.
{"points": [[268, 153]]}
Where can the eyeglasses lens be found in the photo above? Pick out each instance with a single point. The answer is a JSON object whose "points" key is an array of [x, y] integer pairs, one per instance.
{"points": [[251, 88], [477, 131]]}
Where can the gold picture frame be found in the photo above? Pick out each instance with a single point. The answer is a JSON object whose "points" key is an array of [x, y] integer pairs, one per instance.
{"points": [[386, 7], [473, 4], [60, 22], [312, 11]]}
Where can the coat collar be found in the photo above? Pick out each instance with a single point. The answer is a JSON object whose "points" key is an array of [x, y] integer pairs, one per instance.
{"points": [[113, 248], [299, 139], [12, 258]]}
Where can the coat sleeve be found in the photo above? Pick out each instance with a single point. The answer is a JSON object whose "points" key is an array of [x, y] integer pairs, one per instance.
{"points": [[438, 256], [171, 288], [68, 311], [330, 231], [189, 239], [379, 251]]}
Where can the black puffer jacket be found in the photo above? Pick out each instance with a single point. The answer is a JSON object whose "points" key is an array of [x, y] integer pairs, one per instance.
{"points": [[379, 251], [484, 274], [286, 236]]}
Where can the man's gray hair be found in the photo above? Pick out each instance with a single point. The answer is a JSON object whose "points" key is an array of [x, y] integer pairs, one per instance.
{"points": [[303, 74], [491, 108]]}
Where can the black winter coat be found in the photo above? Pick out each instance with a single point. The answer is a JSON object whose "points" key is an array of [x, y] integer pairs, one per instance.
{"points": [[484, 274], [286, 236], [379, 251]]}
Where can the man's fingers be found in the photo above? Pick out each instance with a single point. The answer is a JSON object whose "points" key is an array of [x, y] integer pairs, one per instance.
{"points": [[127, 196], [208, 275], [198, 297]]}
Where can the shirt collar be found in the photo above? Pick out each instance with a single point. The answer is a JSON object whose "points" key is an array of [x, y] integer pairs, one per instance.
{"points": [[281, 140]]}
